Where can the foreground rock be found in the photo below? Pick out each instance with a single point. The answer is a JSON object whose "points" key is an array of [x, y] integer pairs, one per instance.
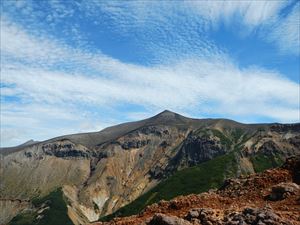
{"points": [[162, 219], [283, 190]]}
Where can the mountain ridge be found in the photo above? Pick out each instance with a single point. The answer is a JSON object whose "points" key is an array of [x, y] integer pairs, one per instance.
{"points": [[159, 118]]}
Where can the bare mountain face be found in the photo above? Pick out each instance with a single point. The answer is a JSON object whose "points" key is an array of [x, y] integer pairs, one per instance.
{"points": [[103, 171]]}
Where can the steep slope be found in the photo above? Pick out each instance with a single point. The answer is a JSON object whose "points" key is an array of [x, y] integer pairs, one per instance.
{"points": [[195, 180], [271, 197], [103, 171]]}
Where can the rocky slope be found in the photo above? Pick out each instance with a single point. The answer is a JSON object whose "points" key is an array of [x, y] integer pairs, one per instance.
{"points": [[271, 197], [101, 172]]}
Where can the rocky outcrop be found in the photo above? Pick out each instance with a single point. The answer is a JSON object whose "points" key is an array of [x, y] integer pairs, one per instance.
{"points": [[283, 190], [162, 219], [255, 216], [65, 149], [284, 128], [134, 144], [198, 149], [269, 148], [205, 216], [293, 166], [157, 131]]}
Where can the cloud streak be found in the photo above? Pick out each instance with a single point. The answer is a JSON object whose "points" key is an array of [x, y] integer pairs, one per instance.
{"points": [[286, 32], [175, 86], [48, 85], [181, 23]]}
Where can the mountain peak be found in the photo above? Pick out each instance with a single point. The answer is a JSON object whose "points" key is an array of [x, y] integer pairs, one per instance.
{"points": [[168, 117], [166, 112], [29, 142]]}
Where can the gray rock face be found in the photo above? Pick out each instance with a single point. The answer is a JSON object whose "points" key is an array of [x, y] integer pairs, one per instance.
{"points": [[64, 149], [157, 173], [134, 144], [269, 148], [282, 128], [195, 150], [161, 219], [154, 130], [295, 141]]}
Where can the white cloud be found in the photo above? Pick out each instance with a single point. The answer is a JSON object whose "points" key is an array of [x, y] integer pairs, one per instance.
{"points": [[265, 18], [16, 42], [41, 121], [51, 99], [252, 13], [286, 32], [168, 28], [175, 86]]}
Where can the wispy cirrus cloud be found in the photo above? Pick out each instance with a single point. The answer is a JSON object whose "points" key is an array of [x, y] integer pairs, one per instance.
{"points": [[188, 23], [250, 13], [286, 32], [162, 30], [185, 83], [49, 86], [195, 75]]}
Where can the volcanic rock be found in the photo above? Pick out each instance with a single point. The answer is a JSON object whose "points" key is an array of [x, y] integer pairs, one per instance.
{"points": [[161, 219], [283, 190]]}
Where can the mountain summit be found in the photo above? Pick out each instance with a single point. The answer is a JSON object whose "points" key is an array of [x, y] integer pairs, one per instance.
{"points": [[169, 117]]}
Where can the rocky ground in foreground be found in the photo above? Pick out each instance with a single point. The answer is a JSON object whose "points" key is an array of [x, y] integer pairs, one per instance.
{"points": [[271, 198]]}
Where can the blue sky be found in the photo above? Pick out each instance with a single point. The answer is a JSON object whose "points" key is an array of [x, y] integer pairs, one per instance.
{"points": [[78, 66]]}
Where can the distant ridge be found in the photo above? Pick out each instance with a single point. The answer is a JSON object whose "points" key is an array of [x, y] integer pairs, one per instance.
{"points": [[165, 117]]}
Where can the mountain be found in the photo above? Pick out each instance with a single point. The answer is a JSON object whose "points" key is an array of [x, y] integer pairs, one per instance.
{"points": [[124, 168]]}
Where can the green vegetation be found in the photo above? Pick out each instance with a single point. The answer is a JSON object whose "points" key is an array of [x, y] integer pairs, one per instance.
{"points": [[25, 218], [202, 132], [95, 206], [225, 141], [55, 214], [237, 134], [195, 179], [262, 162]]}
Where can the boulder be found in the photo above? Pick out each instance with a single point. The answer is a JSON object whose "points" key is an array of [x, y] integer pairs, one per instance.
{"points": [[260, 216], [283, 190], [162, 219], [205, 216]]}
